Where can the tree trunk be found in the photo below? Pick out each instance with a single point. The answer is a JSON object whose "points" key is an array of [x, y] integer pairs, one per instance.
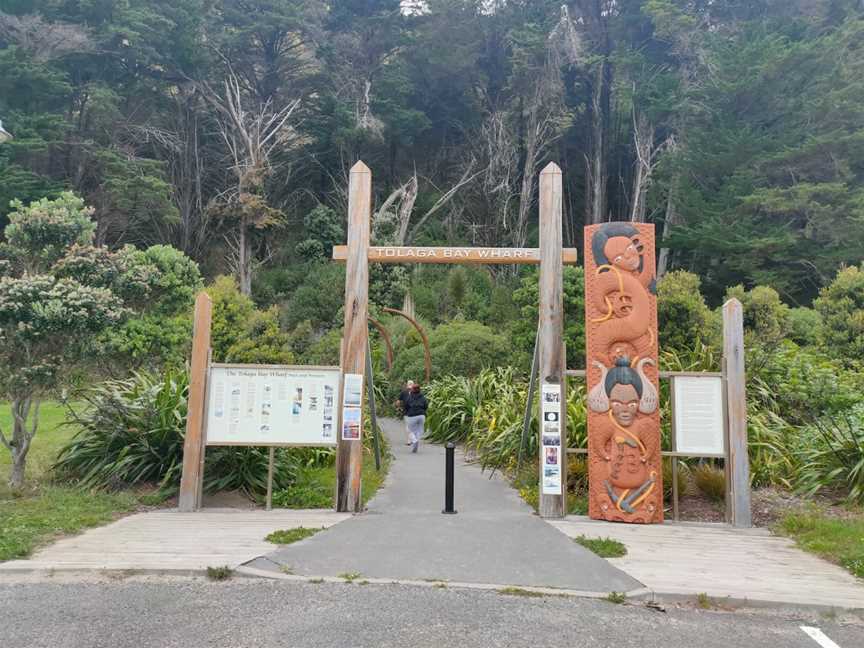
{"points": [[597, 163], [643, 135], [669, 221], [244, 260], [21, 438]]}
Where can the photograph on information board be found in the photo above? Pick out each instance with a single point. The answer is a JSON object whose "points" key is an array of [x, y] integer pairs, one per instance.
{"points": [[351, 421], [353, 390]]}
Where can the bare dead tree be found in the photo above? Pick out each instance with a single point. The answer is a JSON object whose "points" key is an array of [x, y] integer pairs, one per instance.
{"points": [[647, 157], [251, 135], [45, 41], [399, 207]]}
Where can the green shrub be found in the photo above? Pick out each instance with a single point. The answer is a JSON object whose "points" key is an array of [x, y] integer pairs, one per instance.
{"points": [[683, 317], [264, 342], [805, 326], [319, 298], [833, 456], [460, 348], [131, 432], [711, 481], [841, 305], [150, 342], [766, 317], [231, 312]]}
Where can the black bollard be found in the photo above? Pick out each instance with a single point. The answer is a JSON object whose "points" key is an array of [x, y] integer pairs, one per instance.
{"points": [[449, 470]]}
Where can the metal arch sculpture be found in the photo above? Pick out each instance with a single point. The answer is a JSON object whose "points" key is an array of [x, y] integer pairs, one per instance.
{"points": [[423, 337], [388, 343]]}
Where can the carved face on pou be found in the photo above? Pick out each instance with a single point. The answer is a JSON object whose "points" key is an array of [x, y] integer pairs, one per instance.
{"points": [[624, 402], [624, 253]]}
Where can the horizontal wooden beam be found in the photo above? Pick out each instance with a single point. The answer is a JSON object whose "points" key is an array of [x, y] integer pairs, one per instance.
{"points": [[471, 255]]}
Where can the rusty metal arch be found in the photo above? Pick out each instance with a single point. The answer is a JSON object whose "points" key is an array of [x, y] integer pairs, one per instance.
{"points": [[384, 334], [423, 337]]}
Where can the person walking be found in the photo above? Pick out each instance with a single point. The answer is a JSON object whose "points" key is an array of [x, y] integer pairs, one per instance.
{"points": [[400, 406], [415, 415]]}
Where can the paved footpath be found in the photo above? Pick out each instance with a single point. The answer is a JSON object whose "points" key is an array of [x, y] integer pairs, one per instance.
{"points": [[494, 539]]}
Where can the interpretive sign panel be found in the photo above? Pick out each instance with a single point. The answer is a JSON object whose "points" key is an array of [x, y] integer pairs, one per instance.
{"points": [[698, 415], [272, 405], [550, 434]]}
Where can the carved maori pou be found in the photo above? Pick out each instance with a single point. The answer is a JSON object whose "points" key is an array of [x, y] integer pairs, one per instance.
{"points": [[625, 470]]}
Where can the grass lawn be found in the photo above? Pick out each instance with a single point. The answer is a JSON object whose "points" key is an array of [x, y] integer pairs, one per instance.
{"points": [[840, 540], [44, 510], [50, 437], [316, 485]]}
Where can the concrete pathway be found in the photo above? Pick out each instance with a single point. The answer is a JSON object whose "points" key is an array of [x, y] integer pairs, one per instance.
{"points": [[494, 539], [168, 541], [742, 564]]}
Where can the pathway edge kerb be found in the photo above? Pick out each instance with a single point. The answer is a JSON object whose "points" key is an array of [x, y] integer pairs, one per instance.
{"points": [[642, 594]]}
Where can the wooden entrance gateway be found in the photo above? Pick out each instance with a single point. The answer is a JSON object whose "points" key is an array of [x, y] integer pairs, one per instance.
{"points": [[624, 452], [551, 256]]}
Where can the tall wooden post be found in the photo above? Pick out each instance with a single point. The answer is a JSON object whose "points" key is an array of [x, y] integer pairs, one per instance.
{"points": [[193, 443], [349, 454], [551, 324], [738, 469]]}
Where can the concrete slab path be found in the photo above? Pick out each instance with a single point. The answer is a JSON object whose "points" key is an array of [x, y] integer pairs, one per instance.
{"points": [[494, 539], [741, 564], [172, 542]]}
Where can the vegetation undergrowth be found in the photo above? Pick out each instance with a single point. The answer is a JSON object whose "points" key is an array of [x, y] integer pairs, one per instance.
{"points": [[289, 536], [29, 522], [839, 540], [603, 547]]}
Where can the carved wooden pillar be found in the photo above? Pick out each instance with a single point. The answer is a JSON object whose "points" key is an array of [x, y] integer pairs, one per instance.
{"points": [[625, 469]]}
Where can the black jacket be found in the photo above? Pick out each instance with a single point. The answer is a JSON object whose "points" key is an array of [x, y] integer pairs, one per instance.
{"points": [[416, 405]]}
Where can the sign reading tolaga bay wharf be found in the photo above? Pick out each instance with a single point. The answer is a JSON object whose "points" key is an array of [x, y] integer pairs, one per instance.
{"points": [[392, 254]]}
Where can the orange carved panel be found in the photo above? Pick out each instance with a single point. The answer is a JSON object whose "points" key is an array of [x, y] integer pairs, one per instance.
{"points": [[625, 469]]}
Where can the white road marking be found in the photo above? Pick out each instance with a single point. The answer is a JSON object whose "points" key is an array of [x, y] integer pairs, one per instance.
{"points": [[819, 637]]}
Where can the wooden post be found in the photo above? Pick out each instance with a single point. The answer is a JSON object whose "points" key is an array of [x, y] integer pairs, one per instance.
{"points": [[270, 462], [349, 454], [738, 484], [551, 324], [193, 444]]}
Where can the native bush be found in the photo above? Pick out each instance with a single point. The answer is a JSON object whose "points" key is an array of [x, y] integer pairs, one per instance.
{"points": [[232, 310], [805, 326], [833, 457], [684, 318], [841, 305], [264, 342], [59, 294], [131, 432], [766, 317], [459, 348]]}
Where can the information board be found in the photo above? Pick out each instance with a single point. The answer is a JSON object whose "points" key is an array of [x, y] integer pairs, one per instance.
{"points": [[698, 415], [272, 405]]}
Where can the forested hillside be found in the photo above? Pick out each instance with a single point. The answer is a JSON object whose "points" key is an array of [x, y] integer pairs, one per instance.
{"points": [[226, 127]]}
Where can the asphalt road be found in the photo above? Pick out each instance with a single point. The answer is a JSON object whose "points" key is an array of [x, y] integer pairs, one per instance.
{"points": [[238, 613]]}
